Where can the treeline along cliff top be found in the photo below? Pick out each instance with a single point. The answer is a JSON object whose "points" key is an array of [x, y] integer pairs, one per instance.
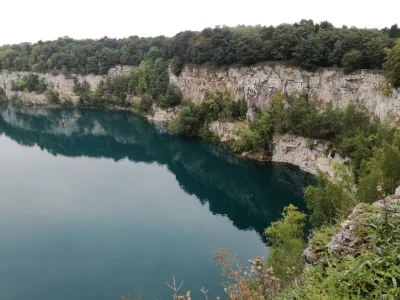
{"points": [[306, 44]]}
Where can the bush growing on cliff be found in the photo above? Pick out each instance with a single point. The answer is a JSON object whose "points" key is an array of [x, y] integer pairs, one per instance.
{"points": [[381, 169], [286, 240], [370, 270], [331, 199], [352, 60], [221, 106], [189, 121], [52, 96], [172, 97], [29, 83], [2, 94], [392, 65]]}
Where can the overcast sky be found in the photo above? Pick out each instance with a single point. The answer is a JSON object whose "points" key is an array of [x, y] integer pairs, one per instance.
{"points": [[33, 20]]}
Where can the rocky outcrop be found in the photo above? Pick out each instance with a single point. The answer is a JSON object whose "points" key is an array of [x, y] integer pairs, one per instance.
{"points": [[63, 85], [308, 155], [224, 130], [349, 240], [162, 115], [257, 84]]}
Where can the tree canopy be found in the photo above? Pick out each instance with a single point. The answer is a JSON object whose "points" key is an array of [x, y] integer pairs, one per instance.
{"points": [[306, 44]]}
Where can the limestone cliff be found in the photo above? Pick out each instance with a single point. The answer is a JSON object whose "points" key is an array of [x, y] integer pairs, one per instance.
{"points": [[257, 84], [60, 83]]}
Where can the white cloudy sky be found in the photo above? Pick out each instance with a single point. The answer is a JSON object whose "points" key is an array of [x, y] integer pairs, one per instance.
{"points": [[32, 20]]}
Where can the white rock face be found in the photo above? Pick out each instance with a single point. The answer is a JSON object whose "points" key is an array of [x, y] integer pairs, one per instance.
{"points": [[397, 192], [289, 149], [257, 84], [294, 150], [224, 130], [59, 83], [162, 115]]}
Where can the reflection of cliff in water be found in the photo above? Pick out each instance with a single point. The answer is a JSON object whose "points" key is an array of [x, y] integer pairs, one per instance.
{"points": [[251, 194]]}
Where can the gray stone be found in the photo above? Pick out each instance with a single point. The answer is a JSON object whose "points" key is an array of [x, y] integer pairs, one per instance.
{"points": [[397, 192], [309, 256]]}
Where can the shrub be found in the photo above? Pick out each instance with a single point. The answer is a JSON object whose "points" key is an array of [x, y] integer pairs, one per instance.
{"points": [[189, 120], [3, 95], [331, 199], [246, 140], [392, 65], [386, 90], [143, 106], [352, 60], [286, 240], [172, 97], [52, 96], [67, 102]]}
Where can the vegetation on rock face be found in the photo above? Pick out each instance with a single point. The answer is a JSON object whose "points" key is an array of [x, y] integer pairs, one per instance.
{"points": [[392, 65], [192, 118], [306, 44], [286, 241], [369, 270], [29, 83], [140, 88]]}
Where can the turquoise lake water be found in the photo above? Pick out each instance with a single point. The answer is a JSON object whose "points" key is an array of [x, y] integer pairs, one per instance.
{"points": [[96, 204]]}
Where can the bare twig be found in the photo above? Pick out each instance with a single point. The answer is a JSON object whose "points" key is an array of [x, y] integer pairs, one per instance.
{"points": [[204, 291], [174, 287]]}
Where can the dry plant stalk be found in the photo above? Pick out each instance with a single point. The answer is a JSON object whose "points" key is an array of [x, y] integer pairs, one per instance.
{"points": [[246, 285]]}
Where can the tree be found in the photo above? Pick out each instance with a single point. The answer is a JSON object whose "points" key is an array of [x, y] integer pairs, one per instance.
{"points": [[189, 120], [286, 240], [332, 198], [392, 65], [172, 97], [352, 60], [382, 169]]}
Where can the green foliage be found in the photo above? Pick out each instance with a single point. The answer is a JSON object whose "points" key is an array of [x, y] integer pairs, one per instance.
{"points": [[218, 106], [189, 121], [305, 43], [257, 137], [246, 138], [3, 95], [286, 240], [278, 113], [352, 60], [381, 169], [331, 199], [392, 65], [149, 82], [386, 89], [52, 96], [67, 102], [29, 83], [172, 97], [371, 273], [143, 106]]}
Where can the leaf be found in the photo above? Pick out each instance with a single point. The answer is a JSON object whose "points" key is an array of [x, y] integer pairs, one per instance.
{"points": [[394, 282]]}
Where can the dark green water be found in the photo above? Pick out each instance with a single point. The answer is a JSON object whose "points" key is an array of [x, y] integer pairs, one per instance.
{"points": [[96, 204]]}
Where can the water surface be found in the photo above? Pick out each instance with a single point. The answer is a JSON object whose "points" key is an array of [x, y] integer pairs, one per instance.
{"points": [[96, 204]]}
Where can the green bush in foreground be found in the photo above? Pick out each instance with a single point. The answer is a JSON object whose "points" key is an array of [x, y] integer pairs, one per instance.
{"points": [[372, 272]]}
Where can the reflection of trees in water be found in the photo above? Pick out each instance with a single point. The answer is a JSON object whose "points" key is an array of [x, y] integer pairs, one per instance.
{"points": [[251, 194]]}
